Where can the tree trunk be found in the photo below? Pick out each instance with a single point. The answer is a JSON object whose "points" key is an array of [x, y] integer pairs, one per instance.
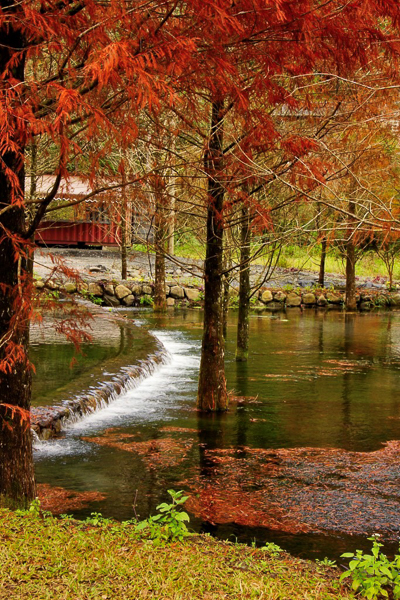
{"points": [[225, 307], [321, 277], [160, 234], [17, 484], [351, 303], [123, 229], [242, 345], [212, 395]]}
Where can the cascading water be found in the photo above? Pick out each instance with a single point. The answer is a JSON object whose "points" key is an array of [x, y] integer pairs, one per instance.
{"points": [[148, 396]]}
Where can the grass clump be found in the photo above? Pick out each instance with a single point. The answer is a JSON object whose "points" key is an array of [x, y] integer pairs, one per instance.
{"points": [[44, 558]]}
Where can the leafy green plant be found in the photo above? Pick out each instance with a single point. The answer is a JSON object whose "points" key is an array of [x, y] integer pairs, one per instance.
{"points": [[170, 523], [97, 520], [272, 549], [146, 300], [326, 562], [373, 575]]}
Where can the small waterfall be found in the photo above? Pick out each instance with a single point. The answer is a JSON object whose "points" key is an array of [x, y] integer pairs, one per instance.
{"points": [[49, 421]]}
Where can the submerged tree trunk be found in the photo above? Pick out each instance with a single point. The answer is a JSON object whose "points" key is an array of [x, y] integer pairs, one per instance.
{"points": [[351, 303], [212, 394], [17, 485], [321, 277], [242, 345]]}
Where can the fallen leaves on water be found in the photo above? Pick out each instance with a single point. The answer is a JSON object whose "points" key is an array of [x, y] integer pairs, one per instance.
{"points": [[301, 490], [156, 453], [59, 500]]}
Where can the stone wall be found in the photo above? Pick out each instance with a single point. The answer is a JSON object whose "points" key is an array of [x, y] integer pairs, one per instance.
{"points": [[138, 293]]}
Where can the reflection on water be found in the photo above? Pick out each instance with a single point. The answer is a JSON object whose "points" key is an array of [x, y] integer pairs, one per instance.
{"points": [[316, 380]]}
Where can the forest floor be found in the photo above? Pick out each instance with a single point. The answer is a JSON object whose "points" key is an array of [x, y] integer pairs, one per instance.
{"points": [[46, 558]]}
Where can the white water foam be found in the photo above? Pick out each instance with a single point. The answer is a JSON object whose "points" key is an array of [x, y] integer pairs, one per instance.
{"points": [[156, 397]]}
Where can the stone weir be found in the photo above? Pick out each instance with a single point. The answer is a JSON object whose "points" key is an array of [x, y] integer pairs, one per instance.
{"points": [[48, 421]]}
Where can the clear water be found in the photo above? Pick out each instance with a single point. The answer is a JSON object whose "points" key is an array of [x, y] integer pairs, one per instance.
{"points": [[318, 380]]}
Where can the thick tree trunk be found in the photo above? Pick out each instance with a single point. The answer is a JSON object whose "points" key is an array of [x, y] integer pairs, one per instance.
{"points": [[321, 277], [160, 235], [212, 395], [242, 345], [351, 303], [17, 485]]}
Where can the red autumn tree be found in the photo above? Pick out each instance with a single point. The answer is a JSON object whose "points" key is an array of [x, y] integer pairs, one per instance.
{"points": [[68, 71]]}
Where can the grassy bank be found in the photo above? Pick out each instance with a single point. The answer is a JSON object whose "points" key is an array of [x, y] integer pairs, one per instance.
{"points": [[46, 558]]}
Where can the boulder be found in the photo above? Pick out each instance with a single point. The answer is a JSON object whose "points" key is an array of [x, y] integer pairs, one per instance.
{"points": [[394, 299], [293, 300], [111, 300], [309, 299], [170, 302], [137, 290], [177, 292], [121, 291], [147, 290], [128, 300], [334, 298], [322, 301], [70, 287], [39, 285], [266, 297], [109, 289], [95, 289], [52, 285], [280, 296], [191, 294]]}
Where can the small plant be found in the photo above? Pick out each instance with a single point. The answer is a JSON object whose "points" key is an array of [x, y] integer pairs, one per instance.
{"points": [[326, 562], [98, 520], [373, 574], [146, 300], [272, 549], [170, 523]]}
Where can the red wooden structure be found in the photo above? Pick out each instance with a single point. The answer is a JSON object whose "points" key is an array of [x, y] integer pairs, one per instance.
{"points": [[85, 233]]}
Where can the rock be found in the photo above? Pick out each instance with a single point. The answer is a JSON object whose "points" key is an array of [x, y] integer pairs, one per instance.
{"points": [[39, 285], [293, 300], [95, 289], [147, 290], [52, 285], [334, 298], [273, 306], [121, 291], [170, 302], [98, 269], [280, 296], [322, 301], [128, 300], [111, 301], [394, 299], [191, 294], [303, 283], [109, 289], [137, 290], [177, 292], [70, 287], [309, 299], [266, 297]]}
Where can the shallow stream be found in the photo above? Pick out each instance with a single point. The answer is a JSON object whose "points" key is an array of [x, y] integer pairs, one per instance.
{"points": [[300, 458]]}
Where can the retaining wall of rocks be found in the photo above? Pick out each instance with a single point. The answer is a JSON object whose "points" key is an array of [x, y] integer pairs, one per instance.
{"points": [[134, 293]]}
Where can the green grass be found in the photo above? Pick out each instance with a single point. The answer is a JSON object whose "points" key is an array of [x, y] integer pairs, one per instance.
{"points": [[298, 257], [44, 558]]}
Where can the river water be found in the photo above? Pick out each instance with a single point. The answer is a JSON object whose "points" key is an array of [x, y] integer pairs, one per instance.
{"points": [[300, 459]]}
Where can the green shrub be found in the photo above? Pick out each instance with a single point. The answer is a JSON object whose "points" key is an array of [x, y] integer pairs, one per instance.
{"points": [[373, 575]]}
